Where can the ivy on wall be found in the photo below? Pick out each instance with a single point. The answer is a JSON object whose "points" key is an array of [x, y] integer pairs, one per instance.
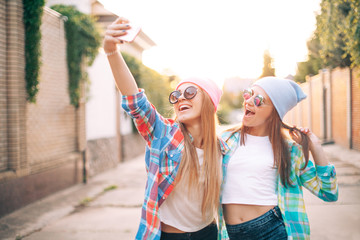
{"points": [[33, 11], [83, 40]]}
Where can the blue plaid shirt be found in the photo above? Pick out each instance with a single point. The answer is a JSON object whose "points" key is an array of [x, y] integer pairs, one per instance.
{"points": [[165, 143], [319, 180]]}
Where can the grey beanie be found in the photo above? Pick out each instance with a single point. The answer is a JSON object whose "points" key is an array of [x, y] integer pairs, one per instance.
{"points": [[284, 93]]}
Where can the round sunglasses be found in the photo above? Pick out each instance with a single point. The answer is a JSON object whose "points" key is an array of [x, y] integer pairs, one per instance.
{"points": [[258, 99], [189, 93]]}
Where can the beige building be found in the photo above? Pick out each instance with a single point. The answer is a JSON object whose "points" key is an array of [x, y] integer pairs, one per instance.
{"points": [[40, 143], [43, 145], [110, 137]]}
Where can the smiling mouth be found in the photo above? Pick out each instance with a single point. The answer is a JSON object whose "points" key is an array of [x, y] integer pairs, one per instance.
{"points": [[183, 108]]}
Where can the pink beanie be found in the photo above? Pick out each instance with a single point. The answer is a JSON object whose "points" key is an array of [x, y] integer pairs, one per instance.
{"points": [[208, 86]]}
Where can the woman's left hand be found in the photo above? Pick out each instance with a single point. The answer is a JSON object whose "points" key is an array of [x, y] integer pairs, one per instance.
{"points": [[296, 136], [314, 145]]}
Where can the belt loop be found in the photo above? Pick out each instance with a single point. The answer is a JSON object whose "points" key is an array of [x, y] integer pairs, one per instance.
{"points": [[274, 210], [188, 236]]}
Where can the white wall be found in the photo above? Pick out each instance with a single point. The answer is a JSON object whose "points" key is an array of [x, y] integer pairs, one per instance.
{"points": [[101, 106], [125, 123], [82, 5]]}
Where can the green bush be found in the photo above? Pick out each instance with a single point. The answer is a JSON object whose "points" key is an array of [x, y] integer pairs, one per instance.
{"points": [[33, 11]]}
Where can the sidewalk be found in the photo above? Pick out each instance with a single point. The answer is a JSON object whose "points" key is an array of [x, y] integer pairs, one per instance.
{"points": [[107, 207], [346, 155]]}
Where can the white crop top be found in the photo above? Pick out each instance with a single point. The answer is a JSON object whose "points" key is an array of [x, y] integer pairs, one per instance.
{"points": [[182, 210], [251, 176]]}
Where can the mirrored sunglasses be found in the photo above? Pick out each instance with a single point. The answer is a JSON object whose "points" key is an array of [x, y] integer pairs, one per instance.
{"points": [[189, 93], [258, 99]]}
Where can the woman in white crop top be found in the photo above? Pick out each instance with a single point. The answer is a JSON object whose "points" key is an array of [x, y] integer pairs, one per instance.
{"points": [[262, 193]]}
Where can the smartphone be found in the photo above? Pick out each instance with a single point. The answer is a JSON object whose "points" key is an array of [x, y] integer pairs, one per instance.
{"points": [[131, 34]]}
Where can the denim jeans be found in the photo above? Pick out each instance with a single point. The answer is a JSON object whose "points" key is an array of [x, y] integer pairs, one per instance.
{"points": [[209, 233], [269, 226]]}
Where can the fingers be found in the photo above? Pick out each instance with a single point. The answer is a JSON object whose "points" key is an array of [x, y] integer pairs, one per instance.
{"points": [[118, 28], [111, 39], [121, 20], [115, 33], [296, 137], [305, 130]]}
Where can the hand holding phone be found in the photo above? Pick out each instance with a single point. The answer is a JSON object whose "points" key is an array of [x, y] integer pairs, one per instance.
{"points": [[130, 34]]}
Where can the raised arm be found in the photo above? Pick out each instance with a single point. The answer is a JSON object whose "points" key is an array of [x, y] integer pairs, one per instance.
{"points": [[148, 121], [124, 80], [320, 179]]}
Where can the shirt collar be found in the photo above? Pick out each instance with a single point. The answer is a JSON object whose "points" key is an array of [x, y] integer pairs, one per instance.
{"points": [[223, 146]]}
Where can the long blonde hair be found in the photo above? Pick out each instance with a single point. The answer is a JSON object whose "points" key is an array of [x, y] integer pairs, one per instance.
{"points": [[189, 168]]}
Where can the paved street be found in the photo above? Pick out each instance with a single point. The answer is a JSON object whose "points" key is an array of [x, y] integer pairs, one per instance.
{"points": [[339, 220], [108, 207]]}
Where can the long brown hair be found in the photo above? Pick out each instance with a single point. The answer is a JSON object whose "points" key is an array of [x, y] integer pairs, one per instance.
{"points": [[279, 133], [189, 168]]}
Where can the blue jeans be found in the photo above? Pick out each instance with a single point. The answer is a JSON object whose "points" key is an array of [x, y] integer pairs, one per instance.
{"points": [[269, 226], [209, 233]]}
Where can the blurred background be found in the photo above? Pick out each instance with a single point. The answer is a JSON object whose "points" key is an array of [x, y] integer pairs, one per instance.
{"points": [[61, 121]]}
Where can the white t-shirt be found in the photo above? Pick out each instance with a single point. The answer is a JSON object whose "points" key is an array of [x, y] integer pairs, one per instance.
{"points": [[182, 210], [251, 175]]}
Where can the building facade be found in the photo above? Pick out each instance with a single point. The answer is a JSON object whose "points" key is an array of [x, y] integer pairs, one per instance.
{"points": [[332, 108], [50, 145], [40, 143]]}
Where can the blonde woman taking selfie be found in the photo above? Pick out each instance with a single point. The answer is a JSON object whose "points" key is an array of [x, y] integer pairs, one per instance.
{"points": [[183, 155]]}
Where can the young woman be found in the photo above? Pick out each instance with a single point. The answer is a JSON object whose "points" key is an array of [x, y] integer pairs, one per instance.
{"points": [[262, 196], [183, 156]]}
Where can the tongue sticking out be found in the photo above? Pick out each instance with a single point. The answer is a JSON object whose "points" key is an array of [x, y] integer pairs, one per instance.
{"points": [[249, 113]]}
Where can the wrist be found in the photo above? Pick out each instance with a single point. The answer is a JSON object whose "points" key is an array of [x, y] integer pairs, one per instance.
{"points": [[110, 48], [315, 147], [109, 53]]}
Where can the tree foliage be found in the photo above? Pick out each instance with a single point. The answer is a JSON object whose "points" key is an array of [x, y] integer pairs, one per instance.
{"points": [[229, 101], [157, 86], [330, 24], [352, 32], [268, 69], [83, 41], [338, 38], [314, 62]]}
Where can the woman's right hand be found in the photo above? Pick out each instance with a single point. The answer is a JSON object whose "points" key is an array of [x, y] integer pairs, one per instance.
{"points": [[124, 80], [114, 30]]}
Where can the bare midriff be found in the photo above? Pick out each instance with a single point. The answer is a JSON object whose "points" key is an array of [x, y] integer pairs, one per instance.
{"points": [[169, 229], [240, 213]]}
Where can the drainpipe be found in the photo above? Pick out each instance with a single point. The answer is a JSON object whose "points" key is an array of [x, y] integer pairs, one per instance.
{"points": [[84, 178], [349, 99]]}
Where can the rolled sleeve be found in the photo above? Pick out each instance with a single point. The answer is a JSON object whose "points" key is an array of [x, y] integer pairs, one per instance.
{"points": [[132, 103], [149, 123], [326, 171]]}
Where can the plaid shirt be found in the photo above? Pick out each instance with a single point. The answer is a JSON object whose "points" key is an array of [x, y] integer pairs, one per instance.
{"points": [[165, 142], [320, 180]]}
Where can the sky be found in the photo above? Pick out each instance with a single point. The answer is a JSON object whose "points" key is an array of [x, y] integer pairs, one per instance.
{"points": [[220, 39]]}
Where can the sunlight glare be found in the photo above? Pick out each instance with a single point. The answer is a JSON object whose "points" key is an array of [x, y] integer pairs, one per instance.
{"points": [[220, 39]]}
